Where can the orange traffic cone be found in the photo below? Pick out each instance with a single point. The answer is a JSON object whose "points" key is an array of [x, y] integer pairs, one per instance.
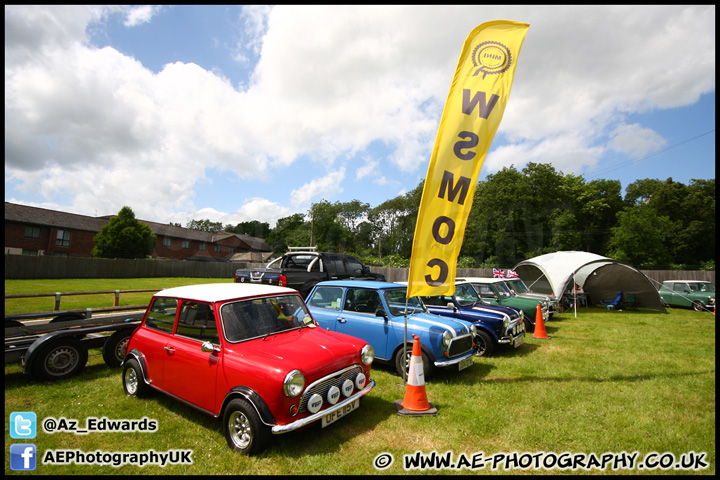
{"points": [[415, 401], [539, 325]]}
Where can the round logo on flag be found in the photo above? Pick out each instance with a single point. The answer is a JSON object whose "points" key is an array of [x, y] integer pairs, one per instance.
{"points": [[491, 58]]}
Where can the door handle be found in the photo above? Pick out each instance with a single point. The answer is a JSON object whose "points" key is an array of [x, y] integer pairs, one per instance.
{"points": [[341, 320], [170, 350]]}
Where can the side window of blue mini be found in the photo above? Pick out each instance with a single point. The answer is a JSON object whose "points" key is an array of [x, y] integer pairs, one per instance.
{"points": [[327, 297], [362, 301]]}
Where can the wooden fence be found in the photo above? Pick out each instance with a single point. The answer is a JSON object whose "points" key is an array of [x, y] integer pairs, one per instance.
{"points": [[58, 296], [34, 267], [37, 267]]}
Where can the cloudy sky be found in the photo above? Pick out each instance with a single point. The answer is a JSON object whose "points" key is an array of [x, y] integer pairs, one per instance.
{"points": [[238, 113]]}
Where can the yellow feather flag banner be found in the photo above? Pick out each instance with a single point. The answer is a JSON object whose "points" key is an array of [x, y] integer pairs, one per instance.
{"points": [[472, 114]]}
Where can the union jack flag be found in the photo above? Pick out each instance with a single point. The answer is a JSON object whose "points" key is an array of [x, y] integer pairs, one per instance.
{"points": [[512, 273], [498, 272]]}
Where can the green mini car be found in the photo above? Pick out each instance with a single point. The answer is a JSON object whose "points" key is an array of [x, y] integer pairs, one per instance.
{"points": [[697, 294], [494, 291]]}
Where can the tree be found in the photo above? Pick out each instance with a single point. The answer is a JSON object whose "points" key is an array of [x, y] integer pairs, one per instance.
{"points": [[124, 237], [253, 228], [292, 231], [393, 223], [329, 233], [205, 225], [690, 210], [640, 237], [521, 214], [597, 205]]}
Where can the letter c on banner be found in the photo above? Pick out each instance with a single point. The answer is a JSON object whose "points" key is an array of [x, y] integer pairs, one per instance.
{"points": [[436, 262], [436, 229]]}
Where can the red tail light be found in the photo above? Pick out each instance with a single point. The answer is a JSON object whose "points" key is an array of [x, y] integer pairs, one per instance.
{"points": [[282, 281]]}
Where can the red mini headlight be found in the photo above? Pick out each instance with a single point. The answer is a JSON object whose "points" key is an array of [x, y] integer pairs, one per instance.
{"points": [[367, 355], [294, 383]]}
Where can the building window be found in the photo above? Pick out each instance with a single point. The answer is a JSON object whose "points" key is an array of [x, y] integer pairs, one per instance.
{"points": [[30, 252], [202, 246], [217, 248], [63, 238], [186, 244], [231, 249], [32, 232], [167, 242]]}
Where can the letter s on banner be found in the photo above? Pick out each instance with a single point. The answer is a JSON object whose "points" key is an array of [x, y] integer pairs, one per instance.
{"points": [[473, 110]]}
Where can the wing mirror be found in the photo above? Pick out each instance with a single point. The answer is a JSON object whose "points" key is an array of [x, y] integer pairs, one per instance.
{"points": [[210, 347]]}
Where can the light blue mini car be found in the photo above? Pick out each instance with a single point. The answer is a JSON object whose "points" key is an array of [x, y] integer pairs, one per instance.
{"points": [[376, 313]]}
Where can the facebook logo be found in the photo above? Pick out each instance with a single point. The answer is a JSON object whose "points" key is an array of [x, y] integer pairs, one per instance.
{"points": [[23, 424], [23, 456]]}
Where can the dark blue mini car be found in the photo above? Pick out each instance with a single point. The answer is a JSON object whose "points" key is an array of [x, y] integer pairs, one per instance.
{"points": [[376, 312], [495, 324]]}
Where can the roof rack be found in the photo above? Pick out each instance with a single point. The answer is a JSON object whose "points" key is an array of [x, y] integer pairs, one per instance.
{"points": [[312, 249]]}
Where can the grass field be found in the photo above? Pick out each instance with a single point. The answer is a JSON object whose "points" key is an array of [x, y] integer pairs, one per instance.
{"points": [[606, 382]]}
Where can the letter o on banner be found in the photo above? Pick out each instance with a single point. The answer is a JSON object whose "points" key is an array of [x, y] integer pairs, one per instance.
{"points": [[436, 262], [440, 221]]}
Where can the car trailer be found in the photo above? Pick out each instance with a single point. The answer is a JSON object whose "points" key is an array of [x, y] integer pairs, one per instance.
{"points": [[58, 348]]}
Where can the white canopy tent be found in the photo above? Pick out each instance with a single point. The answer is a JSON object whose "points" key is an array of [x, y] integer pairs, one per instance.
{"points": [[599, 277]]}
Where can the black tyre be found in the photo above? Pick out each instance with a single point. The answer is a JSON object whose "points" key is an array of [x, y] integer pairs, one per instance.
{"points": [[133, 381], [529, 325], [399, 363], [484, 345], [698, 306], [115, 348], [306, 288], [244, 431], [61, 358]]}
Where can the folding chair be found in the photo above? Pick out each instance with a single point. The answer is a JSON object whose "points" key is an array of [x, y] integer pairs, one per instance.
{"points": [[631, 301], [615, 303]]}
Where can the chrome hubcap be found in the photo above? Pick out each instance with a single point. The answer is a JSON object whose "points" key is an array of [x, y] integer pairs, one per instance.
{"points": [[240, 430], [131, 381]]}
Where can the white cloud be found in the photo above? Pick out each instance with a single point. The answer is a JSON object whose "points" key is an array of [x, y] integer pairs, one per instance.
{"points": [[635, 141], [97, 126], [367, 169], [259, 209], [569, 153], [254, 26], [141, 14], [321, 188]]}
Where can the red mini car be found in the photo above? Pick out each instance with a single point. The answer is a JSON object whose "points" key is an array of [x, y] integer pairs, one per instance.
{"points": [[251, 354]]}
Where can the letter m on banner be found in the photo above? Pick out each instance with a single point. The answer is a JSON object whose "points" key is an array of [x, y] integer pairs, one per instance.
{"points": [[475, 105]]}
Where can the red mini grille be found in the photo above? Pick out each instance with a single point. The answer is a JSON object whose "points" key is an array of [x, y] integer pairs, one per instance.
{"points": [[322, 386]]}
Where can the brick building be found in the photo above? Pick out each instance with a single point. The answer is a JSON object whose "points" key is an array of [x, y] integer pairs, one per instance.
{"points": [[38, 231]]}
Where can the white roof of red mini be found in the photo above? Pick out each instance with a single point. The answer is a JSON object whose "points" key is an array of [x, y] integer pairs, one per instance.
{"points": [[217, 292]]}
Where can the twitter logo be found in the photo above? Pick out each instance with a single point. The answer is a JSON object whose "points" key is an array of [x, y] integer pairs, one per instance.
{"points": [[23, 425]]}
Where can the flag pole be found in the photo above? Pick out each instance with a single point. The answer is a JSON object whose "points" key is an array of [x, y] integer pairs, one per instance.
{"points": [[404, 373], [575, 293]]}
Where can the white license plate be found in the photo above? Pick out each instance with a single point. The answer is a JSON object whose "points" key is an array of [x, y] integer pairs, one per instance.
{"points": [[465, 363], [519, 341], [339, 413]]}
